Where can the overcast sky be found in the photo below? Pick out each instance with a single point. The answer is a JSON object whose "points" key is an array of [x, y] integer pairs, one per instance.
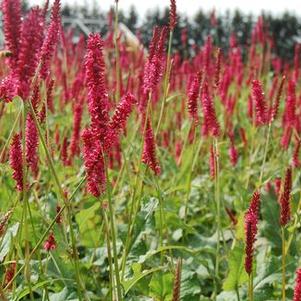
{"points": [[190, 6]]}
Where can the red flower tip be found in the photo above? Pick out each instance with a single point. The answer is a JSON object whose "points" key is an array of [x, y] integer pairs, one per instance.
{"points": [[285, 209], [217, 68], [275, 107], [172, 15]]}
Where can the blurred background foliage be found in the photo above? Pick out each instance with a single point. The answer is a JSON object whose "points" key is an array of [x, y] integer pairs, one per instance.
{"points": [[285, 29]]}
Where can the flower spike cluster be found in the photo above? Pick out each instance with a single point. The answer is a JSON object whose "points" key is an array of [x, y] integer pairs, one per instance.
{"points": [[297, 290], [211, 125], [51, 40], [285, 208], [16, 161], [149, 149], [251, 223]]}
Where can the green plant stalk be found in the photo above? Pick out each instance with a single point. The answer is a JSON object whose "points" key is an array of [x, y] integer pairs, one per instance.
{"points": [[41, 240], [133, 213], [250, 287], [283, 263], [184, 145], [291, 234], [218, 213], [113, 234], [109, 254], [166, 83], [237, 293], [189, 179]]}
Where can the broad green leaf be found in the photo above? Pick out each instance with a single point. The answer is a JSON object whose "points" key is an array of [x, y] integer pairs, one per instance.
{"points": [[237, 274], [7, 240]]}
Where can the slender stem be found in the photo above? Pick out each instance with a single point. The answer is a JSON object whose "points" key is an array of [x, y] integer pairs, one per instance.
{"points": [[250, 289], [283, 263], [113, 234], [237, 293], [107, 229], [134, 206]]}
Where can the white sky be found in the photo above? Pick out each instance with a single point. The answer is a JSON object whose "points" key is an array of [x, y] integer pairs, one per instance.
{"points": [[191, 6]]}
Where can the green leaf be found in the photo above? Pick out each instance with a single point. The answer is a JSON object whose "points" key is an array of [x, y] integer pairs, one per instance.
{"points": [[237, 274], [88, 222], [161, 286], [270, 220], [6, 242], [138, 274]]}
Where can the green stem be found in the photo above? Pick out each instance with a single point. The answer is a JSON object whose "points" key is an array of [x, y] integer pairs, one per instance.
{"points": [[250, 289], [218, 213], [113, 234], [283, 263], [134, 206], [109, 254]]}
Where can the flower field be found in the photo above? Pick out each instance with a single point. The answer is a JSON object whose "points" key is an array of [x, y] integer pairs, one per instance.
{"points": [[133, 172]]}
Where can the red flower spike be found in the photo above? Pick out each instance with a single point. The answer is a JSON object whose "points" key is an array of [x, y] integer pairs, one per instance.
{"points": [[250, 232], [31, 38], [285, 208], [50, 243], [94, 163], [297, 290], [15, 158], [172, 15], [12, 23], [251, 222], [97, 94], [122, 112], [217, 68], [295, 161], [51, 40], [32, 142], [149, 149], [211, 125], [260, 104], [193, 95], [275, 107]]}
